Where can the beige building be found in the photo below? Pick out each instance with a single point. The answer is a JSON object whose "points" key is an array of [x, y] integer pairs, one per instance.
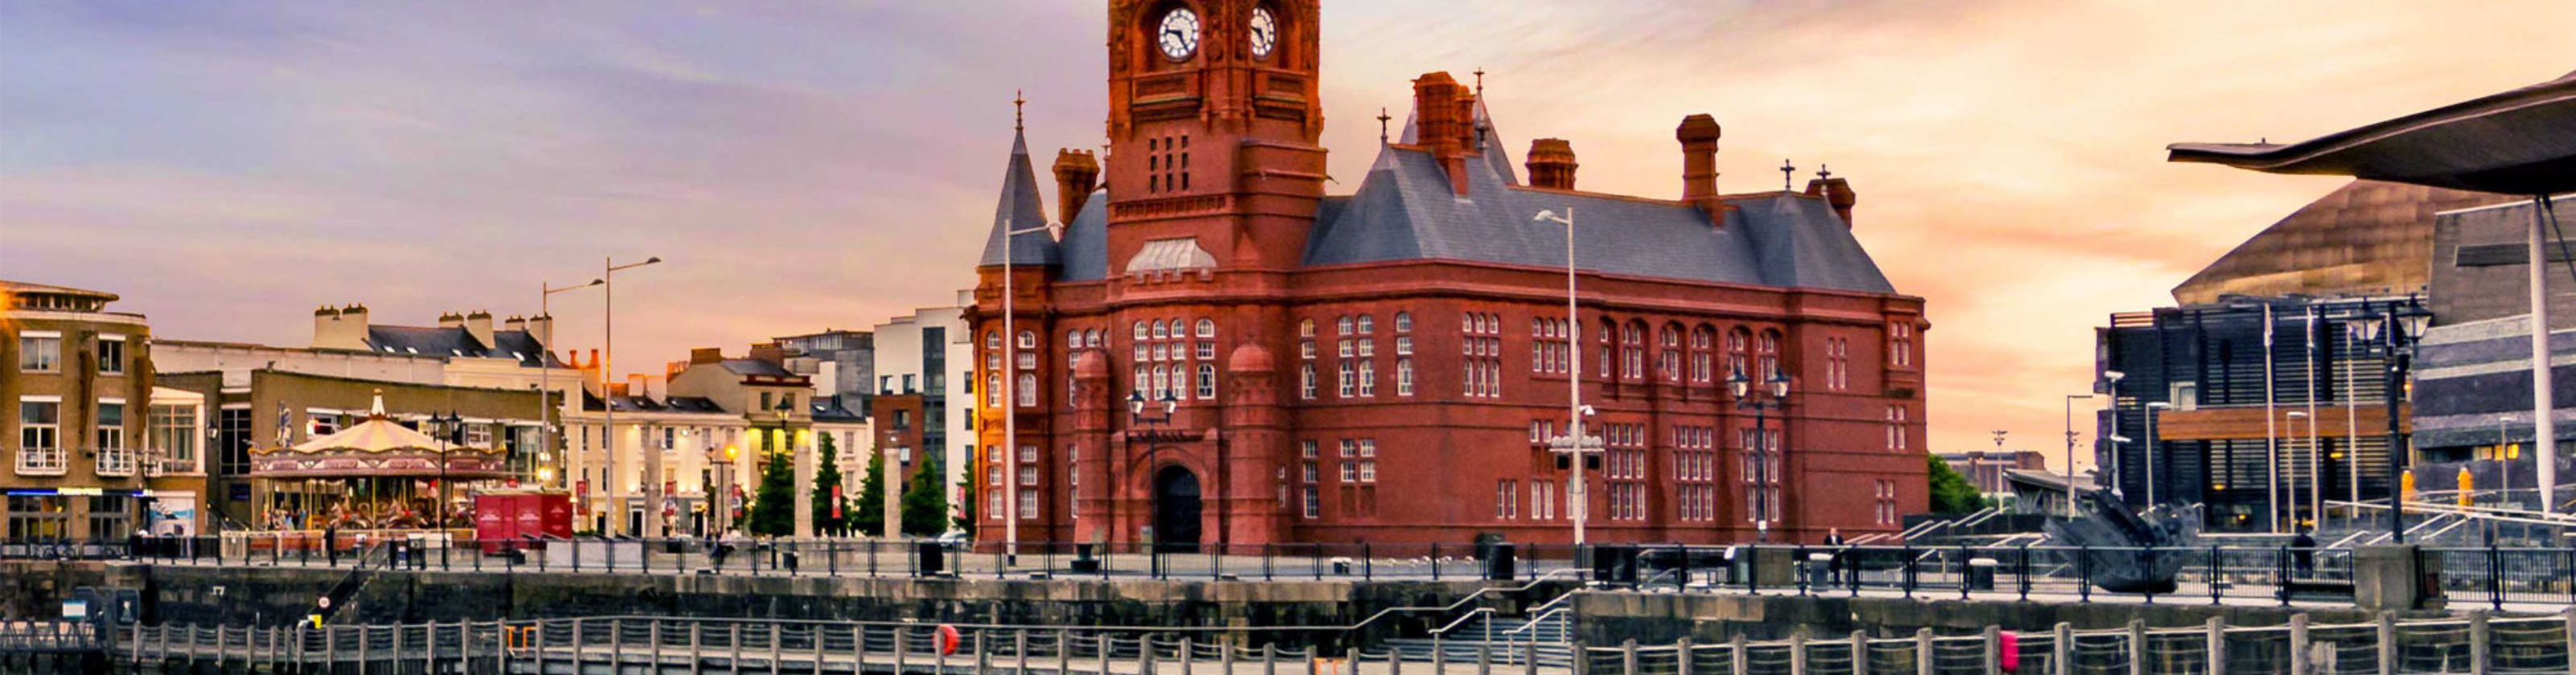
{"points": [[689, 447], [94, 449]]}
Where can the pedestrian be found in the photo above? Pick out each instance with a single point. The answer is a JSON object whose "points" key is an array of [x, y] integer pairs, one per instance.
{"points": [[2303, 553], [1834, 565]]}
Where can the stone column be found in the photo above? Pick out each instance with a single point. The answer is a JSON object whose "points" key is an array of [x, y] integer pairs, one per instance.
{"points": [[800, 441]]}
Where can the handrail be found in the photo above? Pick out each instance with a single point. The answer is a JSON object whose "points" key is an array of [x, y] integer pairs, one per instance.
{"points": [[1533, 583], [1480, 611], [1534, 621]]}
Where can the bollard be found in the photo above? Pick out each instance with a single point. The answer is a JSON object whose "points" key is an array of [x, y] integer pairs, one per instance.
{"points": [[2388, 642], [1063, 652], [1735, 656], [1682, 655], [1019, 653], [2299, 643], [1269, 661], [1628, 657], [697, 646]]}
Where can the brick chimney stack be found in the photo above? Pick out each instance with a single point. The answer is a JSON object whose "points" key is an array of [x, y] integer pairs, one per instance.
{"points": [[1076, 173], [706, 355], [1837, 193], [1444, 121], [1551, 164], [342, 328], [1698, 135], [479, 325]]}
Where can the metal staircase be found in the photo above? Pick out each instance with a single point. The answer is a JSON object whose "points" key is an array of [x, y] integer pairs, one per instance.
{"points": [[1546, 637]]}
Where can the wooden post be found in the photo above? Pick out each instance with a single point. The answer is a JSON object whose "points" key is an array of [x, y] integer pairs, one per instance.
{"points": [[2299, 643], [1484, 659], [1269, 660], [1105, 644], [734, 662], [616, 642], [2481, 647], [1994, 650], [983, 654], [1185, 655], [2217, 645], [1735, 655], [2061, 650], [1145, 654], [1224, 660], [1628, 657], [1063, 653], [2137, 647], [1682, 656], [1798, 651], [900, 650], [1310, 661], [1019, 652], [697, 647], [1860, 652], [1923, 664], [776, 650]]}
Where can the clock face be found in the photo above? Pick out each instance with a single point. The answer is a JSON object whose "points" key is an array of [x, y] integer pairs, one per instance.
{"points": [[1265, 33], [1179, 34]]}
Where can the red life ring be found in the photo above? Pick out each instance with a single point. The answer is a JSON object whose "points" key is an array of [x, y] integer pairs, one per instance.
{"points": [[947, 639]]}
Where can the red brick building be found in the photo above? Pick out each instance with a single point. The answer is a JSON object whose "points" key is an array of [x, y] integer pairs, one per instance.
{"points": [[1382, 366]]}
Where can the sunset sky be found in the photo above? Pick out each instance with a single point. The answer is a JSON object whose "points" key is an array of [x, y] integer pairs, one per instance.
{"points": [[228, 166]]}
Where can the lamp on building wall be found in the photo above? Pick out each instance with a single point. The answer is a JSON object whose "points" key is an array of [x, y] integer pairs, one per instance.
{"points": [[1169, 404], [1777, 388]]}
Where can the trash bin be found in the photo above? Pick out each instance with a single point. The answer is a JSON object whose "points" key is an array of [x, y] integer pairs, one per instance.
{"points": [[788, 560], [1614, 564], [1501, 562], [929, 559], [1342, 566], [1820, 570], [1981, 574], [1085, 560]]}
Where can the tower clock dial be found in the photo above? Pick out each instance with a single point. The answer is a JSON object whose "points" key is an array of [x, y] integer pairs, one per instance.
{"points": [[1265, 33], [1179, 34]]}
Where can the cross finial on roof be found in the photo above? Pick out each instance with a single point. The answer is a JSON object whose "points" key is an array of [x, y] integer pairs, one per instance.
{"points": [[1019, 106], [1786, 174], [1823, 173], [1480, 82], [1381, 125]]}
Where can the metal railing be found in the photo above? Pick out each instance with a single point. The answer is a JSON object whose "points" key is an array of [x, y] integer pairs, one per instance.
{"points": [[2478, 643]]}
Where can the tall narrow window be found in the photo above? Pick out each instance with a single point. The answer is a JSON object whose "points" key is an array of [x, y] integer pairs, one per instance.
{"points": [[111, 355], [1028, 390], [1207, 381], [1404, 377]]}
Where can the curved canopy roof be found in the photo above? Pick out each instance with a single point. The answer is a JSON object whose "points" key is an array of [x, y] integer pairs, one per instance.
{"points": [[2520, 142], [377, 448]]}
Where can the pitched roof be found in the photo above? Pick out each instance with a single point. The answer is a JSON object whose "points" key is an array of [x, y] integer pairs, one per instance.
{"points": [[1085, 248], [754, 367], [1019, 208], [1405, 209]]}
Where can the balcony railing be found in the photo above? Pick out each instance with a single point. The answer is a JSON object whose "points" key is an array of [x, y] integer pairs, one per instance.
{"points": [[115, 461], [41, 462]]}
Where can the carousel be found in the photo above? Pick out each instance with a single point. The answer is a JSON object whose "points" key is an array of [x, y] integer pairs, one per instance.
{"points": [[375, 475]]}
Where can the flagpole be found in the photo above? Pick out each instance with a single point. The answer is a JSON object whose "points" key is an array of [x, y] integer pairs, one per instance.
{"points": [[2271, 431]]}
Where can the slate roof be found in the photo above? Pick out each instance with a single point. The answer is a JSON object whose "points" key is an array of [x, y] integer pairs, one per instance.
{"points": [[1405, 210], [1085, 248], [1018, 208], [829, 410], [455, 342], [755, 367]]}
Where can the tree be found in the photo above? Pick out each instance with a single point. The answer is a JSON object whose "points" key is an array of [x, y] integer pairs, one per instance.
{"points": [[1951, 493], [773, 508], [869, 518], [965, 520], [827, 483], [925, 504]]}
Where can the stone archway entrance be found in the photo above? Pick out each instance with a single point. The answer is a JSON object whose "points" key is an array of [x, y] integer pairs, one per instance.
{"points": [[1176, 510]]}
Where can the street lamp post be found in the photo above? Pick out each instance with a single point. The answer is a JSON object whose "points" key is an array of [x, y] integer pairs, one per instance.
{"points": [[1010, 400], [449, 430], [1169, 403], [2112, 390], [2395, 329], [545, 367], [2504, 463], [1777, 386], [2070, 451], [2150, 457], [1574, 443], [608, 407]]}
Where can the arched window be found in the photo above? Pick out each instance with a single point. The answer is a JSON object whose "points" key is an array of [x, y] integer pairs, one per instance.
{"points": [[1305, 328], [993, 390], [1207, 328], [1161, 330], [1162, 383], [1669, 360], [1139, 383], [1028, 339], [1368, 324], [992, 340], [1403, 322], [1140, 330], [1207, 381], [1736, 361], [1404, 377], [1699, 353], [1632, 352], [1770, 354], [1342, 326], [1073, 339], [1091, 338], [1027, 391]]}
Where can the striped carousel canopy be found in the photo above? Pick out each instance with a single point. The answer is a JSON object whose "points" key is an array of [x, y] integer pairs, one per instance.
{"points": [[377, 448]]}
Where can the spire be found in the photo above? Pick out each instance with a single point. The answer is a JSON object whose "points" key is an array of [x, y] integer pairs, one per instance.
{"points": [[1019, 209]]}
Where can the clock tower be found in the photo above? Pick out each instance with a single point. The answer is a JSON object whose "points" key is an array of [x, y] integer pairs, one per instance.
{"points": [[1213, 122]]}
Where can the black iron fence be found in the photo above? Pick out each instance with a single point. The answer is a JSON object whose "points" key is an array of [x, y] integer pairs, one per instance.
{"points": [[2492, 575]]}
